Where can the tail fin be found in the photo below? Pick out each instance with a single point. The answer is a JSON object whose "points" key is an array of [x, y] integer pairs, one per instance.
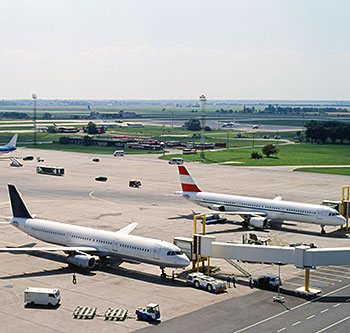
{"points": [[18, 207], [13, 141], [187, 183]]}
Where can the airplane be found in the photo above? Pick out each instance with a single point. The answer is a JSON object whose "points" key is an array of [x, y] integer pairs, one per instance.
{"points": [[256, 126], [64, 129], [40, 128], [228, 124], [258, 212], [81, 244], [11, 146]]}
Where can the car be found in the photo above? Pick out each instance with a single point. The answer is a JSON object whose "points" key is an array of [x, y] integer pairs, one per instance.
{"points": [[28, 158], [267, 281], [95, 160], [134, 183], [101, 179]]}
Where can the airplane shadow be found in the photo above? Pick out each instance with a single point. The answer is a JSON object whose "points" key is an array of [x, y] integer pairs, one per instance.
{"points": [[70, 269]]}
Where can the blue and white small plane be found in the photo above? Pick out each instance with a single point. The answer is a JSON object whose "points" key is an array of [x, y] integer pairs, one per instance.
{"points": [[11, 146]]}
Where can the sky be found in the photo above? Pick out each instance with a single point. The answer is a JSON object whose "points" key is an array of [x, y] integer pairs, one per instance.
{"points": [[162, 49]]}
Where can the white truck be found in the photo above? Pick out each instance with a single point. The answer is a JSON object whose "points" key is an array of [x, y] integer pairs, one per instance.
{"points": [[200, 280], [42, 296]]}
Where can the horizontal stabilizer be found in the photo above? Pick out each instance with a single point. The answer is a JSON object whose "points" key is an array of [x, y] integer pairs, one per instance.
{"points": [[126, 230]]}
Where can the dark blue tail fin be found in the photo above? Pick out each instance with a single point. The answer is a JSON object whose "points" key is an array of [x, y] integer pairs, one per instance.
{"points": [[18, 207]]}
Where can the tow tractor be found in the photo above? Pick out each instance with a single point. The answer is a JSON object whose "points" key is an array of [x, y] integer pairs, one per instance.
{"points": [[149, 313], [134, 183], [200, 280]]}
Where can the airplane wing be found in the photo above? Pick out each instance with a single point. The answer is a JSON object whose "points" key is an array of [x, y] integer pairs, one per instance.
{"points": [[58, 248], [126, 230], [240, 213]]}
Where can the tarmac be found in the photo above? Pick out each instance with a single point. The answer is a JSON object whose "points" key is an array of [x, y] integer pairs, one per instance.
{"points": [[78, 199]]}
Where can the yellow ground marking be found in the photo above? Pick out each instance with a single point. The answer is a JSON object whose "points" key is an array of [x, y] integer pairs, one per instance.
{"points": [[103, 200]]}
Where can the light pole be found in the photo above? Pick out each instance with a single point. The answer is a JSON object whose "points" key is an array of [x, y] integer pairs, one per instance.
{"points": [[34, 96], [203, 101]]}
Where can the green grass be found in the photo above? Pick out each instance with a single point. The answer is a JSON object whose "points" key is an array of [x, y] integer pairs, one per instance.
{"points": [[299, 154], [333, 171]]}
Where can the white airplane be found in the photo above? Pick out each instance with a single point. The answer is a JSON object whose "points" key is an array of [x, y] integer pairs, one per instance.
{"points": [[40, 128], [228, 124], [82, 243], [258, 212], [66, 129], [11, 146]]}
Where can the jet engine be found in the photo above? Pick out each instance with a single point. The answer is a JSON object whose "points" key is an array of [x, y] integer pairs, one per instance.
{"points": [[82, 260], [258, 222]]}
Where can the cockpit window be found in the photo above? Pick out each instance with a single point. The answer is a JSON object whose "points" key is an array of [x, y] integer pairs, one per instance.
{"points": [[173, 253]]}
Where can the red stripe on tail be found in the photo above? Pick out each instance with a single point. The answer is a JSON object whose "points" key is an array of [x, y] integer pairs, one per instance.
{"points": [[190, 188], [183, 170]]}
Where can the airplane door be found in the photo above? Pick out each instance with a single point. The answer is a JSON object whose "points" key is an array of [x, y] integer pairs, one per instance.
{"points": [[156, 253], [115, 245], [319, 214]]}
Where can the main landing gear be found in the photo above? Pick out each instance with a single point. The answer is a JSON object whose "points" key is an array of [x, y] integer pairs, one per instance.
{"points": [[162, 275], [322, 230]]}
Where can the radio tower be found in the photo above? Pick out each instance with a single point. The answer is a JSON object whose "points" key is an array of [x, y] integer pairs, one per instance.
{"points": [[34, 98], [203, 102]]}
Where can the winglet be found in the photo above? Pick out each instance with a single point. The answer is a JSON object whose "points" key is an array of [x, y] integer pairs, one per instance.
{"points": [[187, 183], [126, 230], [18, 207]]}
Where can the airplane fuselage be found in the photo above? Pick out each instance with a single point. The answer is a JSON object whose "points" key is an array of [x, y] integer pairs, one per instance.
{"points": [[107, 243], [272, 209], [5, 149]]}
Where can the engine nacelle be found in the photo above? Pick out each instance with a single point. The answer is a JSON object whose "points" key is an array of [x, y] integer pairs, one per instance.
{"points": [[258, 222], [82, 260]]}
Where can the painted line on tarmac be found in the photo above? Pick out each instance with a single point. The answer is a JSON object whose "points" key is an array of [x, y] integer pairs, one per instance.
{"points": [[330, 326], [296, 307], [103, 200]]}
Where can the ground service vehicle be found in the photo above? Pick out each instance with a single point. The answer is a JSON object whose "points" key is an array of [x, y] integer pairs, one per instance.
{"points": [[101, 179], [267, 282], [42, 296], [134, 183], [50, 170], [215, 219], [176, 160], [200, 280], [28, 158], [118, 153], [149, 313]]}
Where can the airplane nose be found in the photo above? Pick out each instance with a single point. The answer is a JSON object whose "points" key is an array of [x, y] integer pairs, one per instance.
{"points": [[185, 261]]}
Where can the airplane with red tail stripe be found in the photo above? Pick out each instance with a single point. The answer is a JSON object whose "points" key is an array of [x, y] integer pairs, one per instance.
{"points": [[258, 212]]}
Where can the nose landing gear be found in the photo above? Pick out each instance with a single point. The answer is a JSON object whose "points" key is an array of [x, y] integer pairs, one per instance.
{"points": [[162, 275], [322, 230]]}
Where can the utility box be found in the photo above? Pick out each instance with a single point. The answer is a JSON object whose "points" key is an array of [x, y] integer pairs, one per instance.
{"points": [[42, 296]]}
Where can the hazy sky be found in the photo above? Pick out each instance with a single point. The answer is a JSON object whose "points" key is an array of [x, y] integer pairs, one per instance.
{"points": [[162, 49]]}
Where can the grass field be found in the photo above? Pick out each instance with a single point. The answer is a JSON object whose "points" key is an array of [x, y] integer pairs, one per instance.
{"points": [[334, 171], [298, 154]]}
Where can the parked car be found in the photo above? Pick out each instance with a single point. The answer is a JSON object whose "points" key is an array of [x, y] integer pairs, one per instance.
{"points": [[95, 160], [101, 179], [28, 158], [267, 281]]}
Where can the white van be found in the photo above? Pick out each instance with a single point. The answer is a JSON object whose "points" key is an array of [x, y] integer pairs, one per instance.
{"points": [[118, 153], [176, 160], [42, 296]]}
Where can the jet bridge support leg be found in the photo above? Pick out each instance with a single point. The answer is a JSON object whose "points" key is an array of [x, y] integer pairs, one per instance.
{"points": [[307, 279]]}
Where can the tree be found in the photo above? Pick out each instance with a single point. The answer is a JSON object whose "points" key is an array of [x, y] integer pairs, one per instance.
{"points": [[270, 149], [193, 125], [47, 115], [64, 140], [92, 128], [87, 141], [256, 156], [52, 129]]}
